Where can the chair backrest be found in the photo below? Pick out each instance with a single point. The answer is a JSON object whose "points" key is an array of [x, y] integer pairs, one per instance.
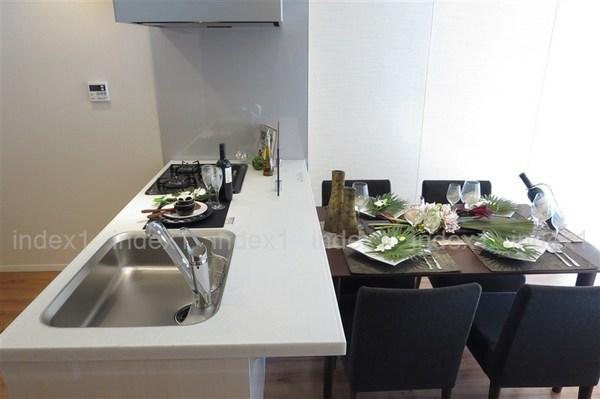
{"points": [[376, 187], [550, 338], [409, 338], [435, 190]]}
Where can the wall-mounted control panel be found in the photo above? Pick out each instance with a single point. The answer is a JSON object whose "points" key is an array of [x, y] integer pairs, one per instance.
{"points": [[98, 92]]}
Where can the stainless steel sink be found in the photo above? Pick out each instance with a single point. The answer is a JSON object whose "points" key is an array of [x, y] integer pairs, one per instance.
{"points": [[131, 282]]}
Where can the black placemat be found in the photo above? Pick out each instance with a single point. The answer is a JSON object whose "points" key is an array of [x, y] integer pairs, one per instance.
{"points": [[361, 264], [546, 262]]}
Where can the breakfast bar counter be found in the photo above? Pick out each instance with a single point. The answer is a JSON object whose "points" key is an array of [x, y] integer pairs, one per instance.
{"points": [[278, 301]]}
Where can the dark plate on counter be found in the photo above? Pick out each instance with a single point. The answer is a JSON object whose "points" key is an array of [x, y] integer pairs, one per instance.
{"points": [[181, 222]]}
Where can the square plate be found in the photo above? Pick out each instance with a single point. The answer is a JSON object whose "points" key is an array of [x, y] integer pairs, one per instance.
{"points": [[360, 246], [539, 245]]}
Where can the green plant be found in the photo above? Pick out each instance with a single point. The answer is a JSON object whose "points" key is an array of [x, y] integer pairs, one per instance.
{"points": [[503, 245], [258, 162], [199, 194], [501, 225], [498, 205], [386, 203]]}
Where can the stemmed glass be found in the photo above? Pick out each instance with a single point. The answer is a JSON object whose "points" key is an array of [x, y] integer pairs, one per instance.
{"points": [[471, 193], [212, 176], [559, 222], [541, 210], [453, 193], [216, 181], [361, 197], [206, 172]]}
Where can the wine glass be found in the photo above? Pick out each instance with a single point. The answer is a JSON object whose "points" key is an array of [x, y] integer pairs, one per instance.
{"points": [[361, 197], [206, 172], [414, 215], [241, 156], [216, 177], [541, 209], [453, 194], [559, 222], [471, 193]]}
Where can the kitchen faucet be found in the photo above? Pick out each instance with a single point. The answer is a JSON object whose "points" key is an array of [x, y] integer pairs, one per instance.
{"points": [[193, 263]]}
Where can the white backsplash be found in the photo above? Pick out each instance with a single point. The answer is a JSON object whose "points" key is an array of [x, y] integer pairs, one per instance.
{"points": [[219, 85]]}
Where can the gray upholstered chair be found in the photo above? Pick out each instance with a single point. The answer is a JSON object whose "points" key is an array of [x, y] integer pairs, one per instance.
{"points": [[539, 337], [409, 339]]}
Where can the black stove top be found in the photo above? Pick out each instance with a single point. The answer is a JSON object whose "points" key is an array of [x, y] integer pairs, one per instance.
{"points": [[187, 176]]}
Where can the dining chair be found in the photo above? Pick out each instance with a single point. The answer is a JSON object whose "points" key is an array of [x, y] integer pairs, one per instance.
{"points": [[376, 187], [539, 337], [406, 339], [488, 283], [435, 190], [350, 286]]}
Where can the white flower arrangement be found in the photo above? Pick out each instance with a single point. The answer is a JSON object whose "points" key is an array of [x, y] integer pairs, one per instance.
{"points": [[438, 216]]}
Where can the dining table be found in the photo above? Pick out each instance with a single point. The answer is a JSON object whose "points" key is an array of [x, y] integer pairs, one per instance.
{"points": [[469, 264]]}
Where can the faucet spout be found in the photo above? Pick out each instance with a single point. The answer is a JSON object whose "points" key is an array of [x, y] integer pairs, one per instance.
{"points": [[193, 264]]}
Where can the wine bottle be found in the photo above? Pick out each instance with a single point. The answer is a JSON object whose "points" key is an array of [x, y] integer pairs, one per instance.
{"points": [[532, 191], [226, 193]]}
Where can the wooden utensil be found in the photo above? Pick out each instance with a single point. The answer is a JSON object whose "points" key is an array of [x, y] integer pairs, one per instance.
{"points": [[158, 210]]}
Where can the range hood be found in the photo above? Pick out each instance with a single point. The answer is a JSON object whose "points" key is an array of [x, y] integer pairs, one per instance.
{"points": [[208, 13]]}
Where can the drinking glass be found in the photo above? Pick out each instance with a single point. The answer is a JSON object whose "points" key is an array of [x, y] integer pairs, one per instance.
{"points": [[471, 193], [453, 194], [206, 172], [361, 197], [216, 181], [414, 215], [559, 222], [241, 156], [541, 209]]}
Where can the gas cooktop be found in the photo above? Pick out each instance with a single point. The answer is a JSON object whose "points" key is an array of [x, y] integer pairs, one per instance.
{"points": [[187, 176]]}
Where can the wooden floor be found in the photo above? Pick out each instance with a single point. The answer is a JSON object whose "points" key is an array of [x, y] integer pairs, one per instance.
{"points": [[300, 377]]}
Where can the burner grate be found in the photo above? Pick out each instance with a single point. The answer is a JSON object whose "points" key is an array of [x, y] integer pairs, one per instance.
{"points": [[187, 176]]}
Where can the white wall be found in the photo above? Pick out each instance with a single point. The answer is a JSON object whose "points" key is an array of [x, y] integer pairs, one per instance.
{"points": [[486, 70], [511, 86], [69, 165], [367, 70], [565, 147], [483, 68]]}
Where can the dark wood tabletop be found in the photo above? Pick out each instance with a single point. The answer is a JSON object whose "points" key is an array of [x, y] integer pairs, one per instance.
{"points": [[470, 264]]}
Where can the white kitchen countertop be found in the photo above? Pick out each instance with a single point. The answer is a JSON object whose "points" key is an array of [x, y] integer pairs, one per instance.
{"points": [[278, 300]]}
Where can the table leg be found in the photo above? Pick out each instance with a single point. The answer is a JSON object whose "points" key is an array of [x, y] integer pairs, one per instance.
{"points": [[585, 279], [328, 376]]}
